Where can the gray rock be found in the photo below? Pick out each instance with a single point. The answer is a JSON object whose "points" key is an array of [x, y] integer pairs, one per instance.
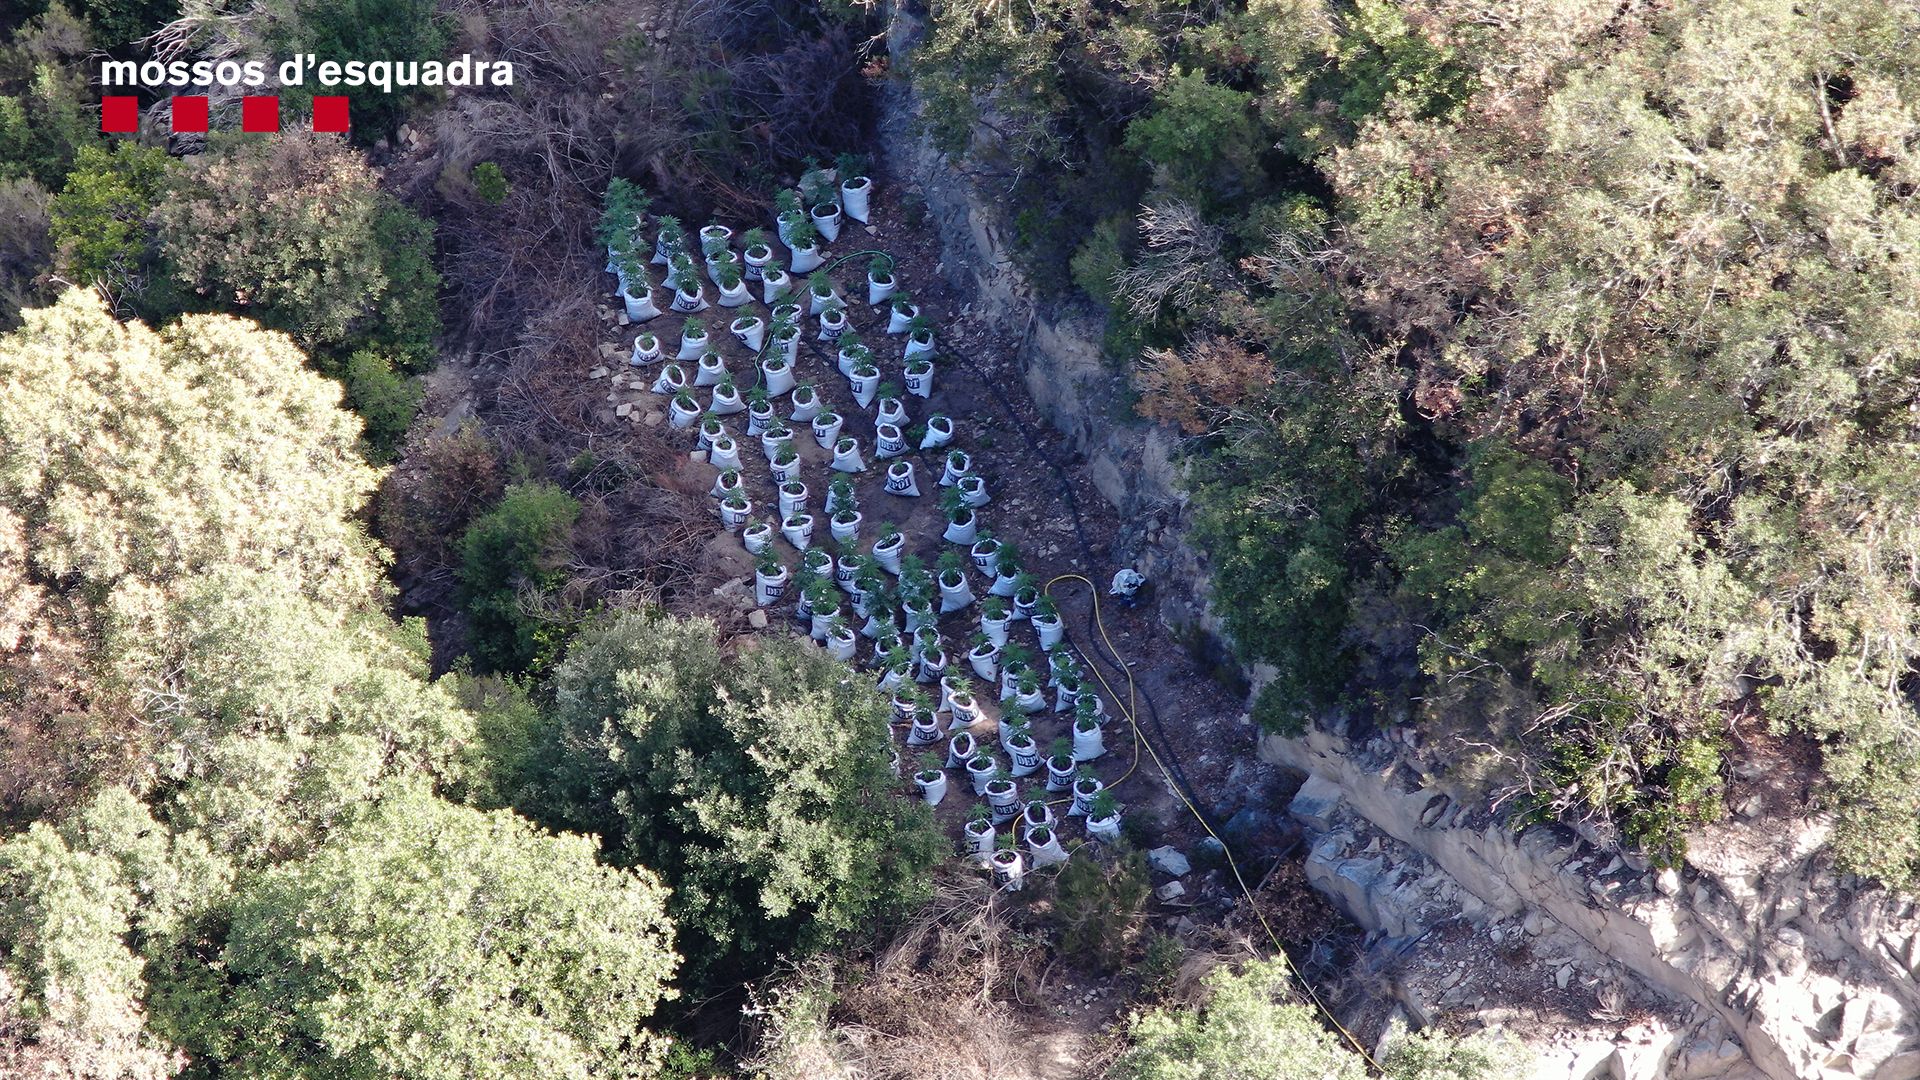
{"points": [[1169, 861], [1171, 891], [1316, 802]]}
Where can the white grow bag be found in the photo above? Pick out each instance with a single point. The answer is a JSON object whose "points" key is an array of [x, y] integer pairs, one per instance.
{"points": [[750, 331], [826, 429], [1046, 850], [856, 193], [769, 588], [846, 458], [954, 597], [932, 785], [900, 480]]}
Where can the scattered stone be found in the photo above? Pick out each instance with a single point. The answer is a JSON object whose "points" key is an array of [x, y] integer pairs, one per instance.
{"points": [[1667, 882], [598, 373], [1169, 861], [622, 320], [626, 409], [757, 619], [606, 349], [1750, 807], [1170, 892], [697, 455], [653, 419], [1563, 976], [871, 231]]}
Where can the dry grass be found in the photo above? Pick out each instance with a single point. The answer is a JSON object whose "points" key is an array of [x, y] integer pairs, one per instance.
{"points": [[958, 993]]}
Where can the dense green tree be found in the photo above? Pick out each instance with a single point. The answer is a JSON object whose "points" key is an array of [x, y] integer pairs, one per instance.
{"points": [[118, 22], [431, 940], [45, 104], [504, 764], [282, 717], [385, 399], [221, 449], [133, 466], [511, 560], [295, 232], [365, 30], [1250, 1029], [189, 597], [66, 969], [1203, 135], [1253, 1027], [100, 217], [758, 785]]}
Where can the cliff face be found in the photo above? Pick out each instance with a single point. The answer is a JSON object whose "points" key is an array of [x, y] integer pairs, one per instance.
{"points": [[1754, 961], [1809, 979]]}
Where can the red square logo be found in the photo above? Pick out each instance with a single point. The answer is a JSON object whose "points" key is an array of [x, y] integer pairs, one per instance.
{"points": [[330, 114], [259, 113], [190, 114], [120, 115]]}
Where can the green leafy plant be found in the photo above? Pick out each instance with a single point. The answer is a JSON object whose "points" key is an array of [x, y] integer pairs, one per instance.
{"points": [[1104, 805], [491, 185], [509, 556]]}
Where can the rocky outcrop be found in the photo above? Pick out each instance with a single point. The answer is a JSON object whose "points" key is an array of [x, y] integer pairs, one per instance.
{"points": [[1057, 348], [1780, 968]]}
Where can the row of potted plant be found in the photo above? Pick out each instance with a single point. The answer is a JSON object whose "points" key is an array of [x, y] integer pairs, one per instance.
{"points": [[1034, 819]]}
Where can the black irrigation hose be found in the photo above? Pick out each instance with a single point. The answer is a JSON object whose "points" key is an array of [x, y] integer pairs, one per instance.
{"points": [[1169, 760]]}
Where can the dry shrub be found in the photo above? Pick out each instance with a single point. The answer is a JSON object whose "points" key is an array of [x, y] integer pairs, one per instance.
{"points": [[444, 482], [1180, 266], [704, 118], [1201, 385], [932, 1004]]}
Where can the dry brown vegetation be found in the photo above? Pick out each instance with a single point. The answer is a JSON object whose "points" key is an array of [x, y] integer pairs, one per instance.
{"points": [[1199, 385], [700, 105], [959, 992]]}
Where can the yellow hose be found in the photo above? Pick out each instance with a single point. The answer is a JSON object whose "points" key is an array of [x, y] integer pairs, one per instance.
{"points": [[1139, 740]]}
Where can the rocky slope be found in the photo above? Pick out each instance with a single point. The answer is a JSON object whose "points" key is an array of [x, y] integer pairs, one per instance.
{"points": [[1754, 959]]}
